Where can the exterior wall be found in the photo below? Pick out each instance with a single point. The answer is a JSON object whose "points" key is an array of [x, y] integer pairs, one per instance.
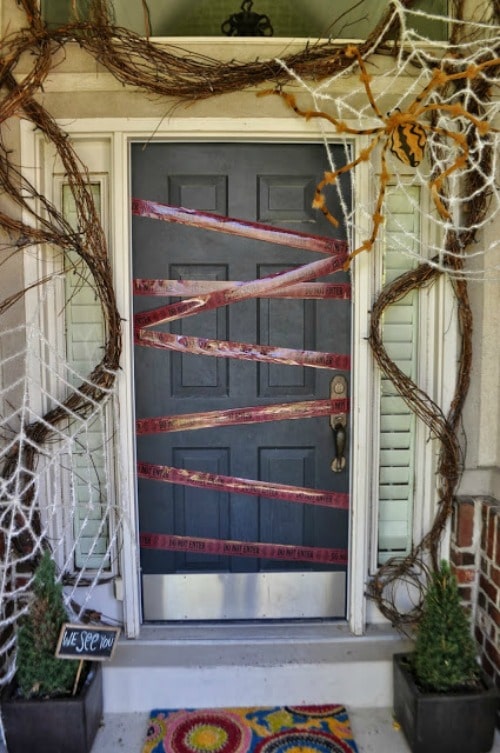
{"points": [[475, 555], [481, 415]]}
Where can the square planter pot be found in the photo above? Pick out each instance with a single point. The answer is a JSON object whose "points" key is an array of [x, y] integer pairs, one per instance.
{"points": [[440, 722], [55, 725]]}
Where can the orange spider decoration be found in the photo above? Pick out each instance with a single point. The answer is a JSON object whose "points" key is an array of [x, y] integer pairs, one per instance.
{"points": [[402, 133]]}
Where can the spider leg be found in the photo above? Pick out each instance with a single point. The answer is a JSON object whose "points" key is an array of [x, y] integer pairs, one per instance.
{"points": [[340, 125], [441, 78], [457, 111], [473, 70], [377, 216], [365, 79], [319, 201], [436, 184]]}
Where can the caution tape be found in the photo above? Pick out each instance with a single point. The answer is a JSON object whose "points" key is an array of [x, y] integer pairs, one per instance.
{"points": [[254, 549], [242, 351], [239, 416], [235, 485], [187, 288]]}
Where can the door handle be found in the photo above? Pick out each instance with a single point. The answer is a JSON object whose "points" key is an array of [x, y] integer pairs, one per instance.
{"points": [[338, 423]]}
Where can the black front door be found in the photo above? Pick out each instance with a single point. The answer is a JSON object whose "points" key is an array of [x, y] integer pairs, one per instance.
{"points": [[272, 184]]}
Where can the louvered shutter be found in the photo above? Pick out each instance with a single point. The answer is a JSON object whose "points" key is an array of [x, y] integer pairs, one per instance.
{"points": [[84, 338], [397, 422]]}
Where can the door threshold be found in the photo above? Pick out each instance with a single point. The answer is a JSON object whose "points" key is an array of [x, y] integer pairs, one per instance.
{"points": [[259, 633]]}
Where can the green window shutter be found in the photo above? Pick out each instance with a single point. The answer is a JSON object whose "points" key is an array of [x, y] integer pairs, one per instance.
{"points": [[89, 463], [397, 422]]}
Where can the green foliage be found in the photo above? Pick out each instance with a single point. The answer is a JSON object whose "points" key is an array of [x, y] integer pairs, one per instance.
{"points": [[445, 651], [39, 672]]}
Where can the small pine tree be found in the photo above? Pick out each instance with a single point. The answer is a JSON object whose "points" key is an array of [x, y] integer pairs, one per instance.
{"points": [[445, 653], [39, 672]]}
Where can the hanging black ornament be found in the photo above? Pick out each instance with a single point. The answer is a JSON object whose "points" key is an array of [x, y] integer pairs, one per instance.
{"points": [[247, 23]]}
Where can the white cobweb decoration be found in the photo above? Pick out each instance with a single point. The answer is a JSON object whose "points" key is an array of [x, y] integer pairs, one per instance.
{"points": [[461, 110], [61, 494]]}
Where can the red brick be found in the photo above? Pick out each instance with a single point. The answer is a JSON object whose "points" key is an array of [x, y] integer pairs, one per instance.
{"points": [[459, 558], [489, 588], [496, 524], [465, 594], [479, 635], [493, 654], [484, 566], [494, 613], [464, 523], [465, 576], [487, 666], [495, 575], [491, 534], [484, 525], [493, 635]]}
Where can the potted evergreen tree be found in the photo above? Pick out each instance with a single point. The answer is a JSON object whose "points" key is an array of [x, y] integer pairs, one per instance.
{"points": [[443, 701], [49, 707]]}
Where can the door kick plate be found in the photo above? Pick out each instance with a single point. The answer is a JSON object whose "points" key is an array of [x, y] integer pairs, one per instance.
{"points": [[244, 596]]}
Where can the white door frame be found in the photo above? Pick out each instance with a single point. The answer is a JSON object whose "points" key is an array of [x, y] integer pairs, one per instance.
{"points": [[364, 442]]}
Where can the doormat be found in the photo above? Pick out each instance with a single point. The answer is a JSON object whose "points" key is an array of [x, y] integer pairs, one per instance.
{"points": [[276, 729]]}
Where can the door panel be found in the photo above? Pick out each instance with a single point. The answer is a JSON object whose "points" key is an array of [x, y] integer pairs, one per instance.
{"points": [[192, 376], [273, 184]]}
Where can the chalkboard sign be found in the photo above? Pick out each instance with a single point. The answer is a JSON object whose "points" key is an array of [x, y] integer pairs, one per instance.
{"points": [[87, 642]]}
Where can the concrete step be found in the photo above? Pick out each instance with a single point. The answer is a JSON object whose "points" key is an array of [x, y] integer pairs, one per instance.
{"points": [[234, 665]]}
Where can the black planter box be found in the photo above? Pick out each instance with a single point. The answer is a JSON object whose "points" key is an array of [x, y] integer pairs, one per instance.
{"points": [[441, 722], [56, 725]]}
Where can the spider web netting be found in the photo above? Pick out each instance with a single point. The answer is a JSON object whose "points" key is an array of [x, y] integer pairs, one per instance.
{"points": [[62, 491], [448, 97]]}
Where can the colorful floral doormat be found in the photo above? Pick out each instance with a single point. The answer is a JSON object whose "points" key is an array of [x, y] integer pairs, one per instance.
{"points": [[278, 729]]}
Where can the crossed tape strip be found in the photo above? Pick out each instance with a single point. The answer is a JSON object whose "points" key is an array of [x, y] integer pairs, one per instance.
{"points": [[238, 416], [219, 482], [187, 288], [254, 549]]}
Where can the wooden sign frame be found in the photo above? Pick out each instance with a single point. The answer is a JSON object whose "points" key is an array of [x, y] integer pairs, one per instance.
{"points": [[87, 642]]}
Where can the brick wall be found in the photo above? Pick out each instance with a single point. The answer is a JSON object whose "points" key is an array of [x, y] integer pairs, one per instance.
{"points": [[475, 556]]}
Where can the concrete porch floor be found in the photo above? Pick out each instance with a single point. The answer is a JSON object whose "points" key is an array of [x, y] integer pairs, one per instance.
{"points": [[373, 730]]}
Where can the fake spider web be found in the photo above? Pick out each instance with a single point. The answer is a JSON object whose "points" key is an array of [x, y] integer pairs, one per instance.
{"points": [[456, 180], [66, 499]]}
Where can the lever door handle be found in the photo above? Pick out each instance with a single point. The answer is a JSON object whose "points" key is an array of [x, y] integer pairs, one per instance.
{"points": [[339, 439], [338, 423]]}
